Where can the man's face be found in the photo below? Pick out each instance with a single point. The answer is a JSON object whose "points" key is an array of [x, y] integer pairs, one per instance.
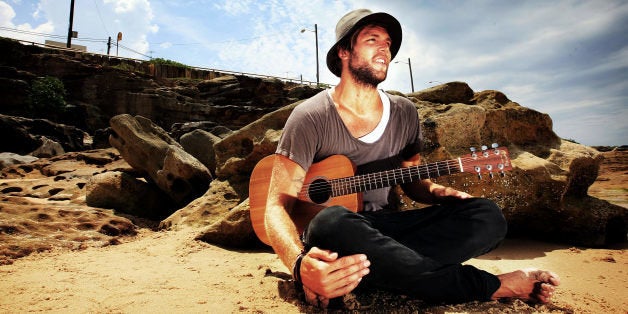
{"points": [[370, 56]]}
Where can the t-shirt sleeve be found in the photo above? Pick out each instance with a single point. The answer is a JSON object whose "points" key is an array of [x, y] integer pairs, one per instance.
{"points": [[299, 138]]}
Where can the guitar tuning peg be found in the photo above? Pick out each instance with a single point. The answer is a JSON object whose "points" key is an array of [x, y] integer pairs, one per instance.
{"points": [[490, 170], [479, 171], [501, 170], [484, 147], [495, 150], [484, 152], [473, 154]]}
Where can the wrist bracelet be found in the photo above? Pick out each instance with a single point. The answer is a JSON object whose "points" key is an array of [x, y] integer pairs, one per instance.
{"points": [[296, 268]]}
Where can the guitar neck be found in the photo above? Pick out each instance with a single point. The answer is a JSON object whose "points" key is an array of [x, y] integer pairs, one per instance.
{"points": [[382, 179]]}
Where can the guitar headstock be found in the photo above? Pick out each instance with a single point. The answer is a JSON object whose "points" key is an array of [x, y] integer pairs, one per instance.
{"points": [[488, 160]]}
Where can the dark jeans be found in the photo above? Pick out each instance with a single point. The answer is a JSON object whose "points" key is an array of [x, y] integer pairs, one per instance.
{"points": [[418, 252]]}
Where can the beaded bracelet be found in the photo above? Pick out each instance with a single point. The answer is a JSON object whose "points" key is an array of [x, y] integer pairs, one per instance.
{"points": [[296, 268]]}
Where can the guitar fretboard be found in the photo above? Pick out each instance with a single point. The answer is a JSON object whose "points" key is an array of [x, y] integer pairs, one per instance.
{"points": [[382, 179]]}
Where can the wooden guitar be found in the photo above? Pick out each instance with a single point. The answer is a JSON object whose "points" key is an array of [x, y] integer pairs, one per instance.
{"points": [[332, 181]]}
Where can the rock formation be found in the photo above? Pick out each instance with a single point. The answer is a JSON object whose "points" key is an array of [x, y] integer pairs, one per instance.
{"points": [[149, 149]]}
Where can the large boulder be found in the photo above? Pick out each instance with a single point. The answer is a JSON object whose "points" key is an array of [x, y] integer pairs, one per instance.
{"points": [[448, 93], [148, 148], [200, 144], [235, 230], [123, 192]]}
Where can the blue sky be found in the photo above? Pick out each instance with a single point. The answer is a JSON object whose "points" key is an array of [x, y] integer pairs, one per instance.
{"points": [[568, 59]]}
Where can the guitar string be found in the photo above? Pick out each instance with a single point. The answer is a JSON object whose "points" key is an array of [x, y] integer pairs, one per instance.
{"points": [[382, 179]]}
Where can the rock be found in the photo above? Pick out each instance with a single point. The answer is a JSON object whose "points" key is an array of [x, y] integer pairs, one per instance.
{"points": [[491, 99], [235, 230], [125, 193], [205, 210], [148, 148], [179, 129], [448, 93], [48, 148], [10, 159], [238, 154], [200, 144], [23, 135]]}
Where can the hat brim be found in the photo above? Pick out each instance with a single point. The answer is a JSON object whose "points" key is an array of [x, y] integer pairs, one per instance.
{"points": [[392, 26]]}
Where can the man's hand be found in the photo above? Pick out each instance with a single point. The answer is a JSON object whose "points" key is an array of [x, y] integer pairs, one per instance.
{"points": [[441, 192], [326, 276]]}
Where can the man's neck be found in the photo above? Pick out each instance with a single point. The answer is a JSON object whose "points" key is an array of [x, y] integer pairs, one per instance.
{"points": [[358, 98]]}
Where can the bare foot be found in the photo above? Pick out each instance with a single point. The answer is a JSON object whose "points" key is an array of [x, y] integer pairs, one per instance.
{"points": [[527, 284]]}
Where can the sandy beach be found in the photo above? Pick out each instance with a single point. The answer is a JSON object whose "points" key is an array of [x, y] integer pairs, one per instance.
{"points": [[170, 272], [166, 272]]}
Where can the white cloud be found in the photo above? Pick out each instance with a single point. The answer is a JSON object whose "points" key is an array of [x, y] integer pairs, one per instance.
{"points": [[6, 14], [235, 7]]}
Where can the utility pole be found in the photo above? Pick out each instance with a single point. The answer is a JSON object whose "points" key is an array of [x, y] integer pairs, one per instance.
{"points": [[409, 67], [109, 45], [69, 45], [315, 31]]}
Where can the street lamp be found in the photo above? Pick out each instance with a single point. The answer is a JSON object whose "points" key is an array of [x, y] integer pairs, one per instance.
{"points": [[410, 67], [316, 36]]}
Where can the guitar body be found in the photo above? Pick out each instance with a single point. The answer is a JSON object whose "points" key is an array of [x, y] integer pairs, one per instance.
{"points": [[333, 167]]}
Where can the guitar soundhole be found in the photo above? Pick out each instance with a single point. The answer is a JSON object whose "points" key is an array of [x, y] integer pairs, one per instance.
{"points": [[319, 191]]}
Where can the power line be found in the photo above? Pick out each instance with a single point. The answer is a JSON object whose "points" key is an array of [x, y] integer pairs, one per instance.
{"points": [[25, 32], [100, 16]]}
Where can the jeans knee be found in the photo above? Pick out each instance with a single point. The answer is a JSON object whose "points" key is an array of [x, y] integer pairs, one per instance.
{"points": [[493, 220], [326, 225]]}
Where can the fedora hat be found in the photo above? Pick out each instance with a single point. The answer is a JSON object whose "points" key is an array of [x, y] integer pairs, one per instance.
{"points": [[353, 20]]}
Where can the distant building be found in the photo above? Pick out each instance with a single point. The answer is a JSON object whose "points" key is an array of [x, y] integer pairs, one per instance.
{"points": [[64, 45]]}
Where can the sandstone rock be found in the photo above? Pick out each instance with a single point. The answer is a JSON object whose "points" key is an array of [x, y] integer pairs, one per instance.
{"points": [[48, 148], [125, 193], [205, 210], [237, 154], [179, 129], [148, 148], [200, 144], [448, 93], [235, 230], [10, 159], [23, 135], [27, 227]]}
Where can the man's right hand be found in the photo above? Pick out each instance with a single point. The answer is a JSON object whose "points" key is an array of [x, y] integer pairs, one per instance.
{"points": [[325, 276]]}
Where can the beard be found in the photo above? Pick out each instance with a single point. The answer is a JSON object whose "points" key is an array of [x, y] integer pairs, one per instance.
{"points": [[364, 74]]}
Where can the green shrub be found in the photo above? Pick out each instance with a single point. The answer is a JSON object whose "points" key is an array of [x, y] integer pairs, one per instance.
{"points": [[47, 95], [167, 62]]}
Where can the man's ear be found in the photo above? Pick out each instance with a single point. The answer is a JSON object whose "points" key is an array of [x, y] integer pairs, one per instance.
{"points": [[343, 54]]}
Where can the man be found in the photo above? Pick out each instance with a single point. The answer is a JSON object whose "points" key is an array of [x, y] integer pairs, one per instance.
{"points": [[415, 252]]}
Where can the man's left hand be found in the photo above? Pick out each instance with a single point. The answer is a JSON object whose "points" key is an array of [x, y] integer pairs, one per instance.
{"points": [[441, 192]]}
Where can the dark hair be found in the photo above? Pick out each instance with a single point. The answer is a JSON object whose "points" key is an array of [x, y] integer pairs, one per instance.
{"points": [[348, 42]]}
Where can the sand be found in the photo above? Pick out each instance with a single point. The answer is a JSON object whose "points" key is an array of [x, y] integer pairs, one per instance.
{"points": [[165, 272], [170, 272]]}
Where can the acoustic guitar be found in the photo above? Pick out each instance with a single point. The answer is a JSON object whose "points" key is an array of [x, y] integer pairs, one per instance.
{"points": [[333, 181]]}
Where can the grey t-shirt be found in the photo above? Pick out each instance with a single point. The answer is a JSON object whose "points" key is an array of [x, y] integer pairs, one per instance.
{"points": [[315, 131]]}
